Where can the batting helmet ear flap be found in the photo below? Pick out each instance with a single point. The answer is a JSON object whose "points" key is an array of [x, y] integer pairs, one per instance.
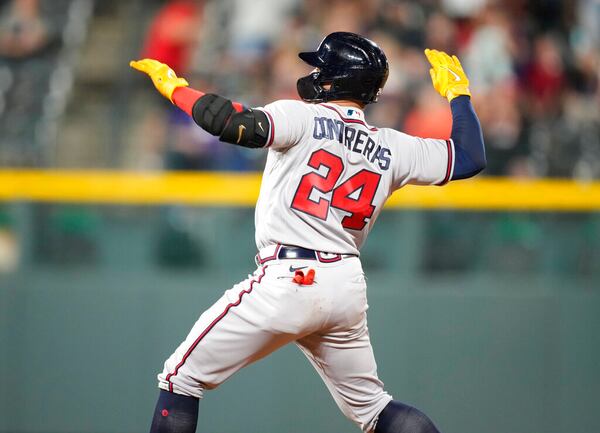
{"points": [[309, 89]]}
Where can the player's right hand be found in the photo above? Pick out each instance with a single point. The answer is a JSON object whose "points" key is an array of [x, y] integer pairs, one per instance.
{"points": [[447, 74], [164, 78]]}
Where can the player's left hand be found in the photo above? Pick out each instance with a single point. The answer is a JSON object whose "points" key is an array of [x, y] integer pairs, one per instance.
{"points": [[447, 74], [164, 78]]}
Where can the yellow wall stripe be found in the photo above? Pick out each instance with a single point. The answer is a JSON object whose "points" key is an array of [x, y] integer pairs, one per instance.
{"points": [[241, 189]]}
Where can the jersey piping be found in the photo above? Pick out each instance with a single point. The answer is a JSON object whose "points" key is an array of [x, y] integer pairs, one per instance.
{"points": [[450, 166], [271, 129]]}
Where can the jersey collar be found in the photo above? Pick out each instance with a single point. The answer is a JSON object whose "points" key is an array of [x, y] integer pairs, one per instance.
{"points": [[347, 112]]}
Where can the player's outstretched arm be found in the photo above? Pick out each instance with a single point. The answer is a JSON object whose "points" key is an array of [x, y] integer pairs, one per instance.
{"points": [[230, 121], [450, 80]]}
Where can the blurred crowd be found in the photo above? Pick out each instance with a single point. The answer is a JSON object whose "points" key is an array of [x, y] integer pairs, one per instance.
{"points": [[22, 29], [534, 68], [36, 37], [533, 65]]}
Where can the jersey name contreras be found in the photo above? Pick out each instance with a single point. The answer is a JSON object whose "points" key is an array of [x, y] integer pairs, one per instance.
{"points": [[328, 174]]}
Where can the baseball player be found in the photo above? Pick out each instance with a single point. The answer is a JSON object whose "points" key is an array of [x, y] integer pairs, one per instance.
{"points": [[327, 176]]}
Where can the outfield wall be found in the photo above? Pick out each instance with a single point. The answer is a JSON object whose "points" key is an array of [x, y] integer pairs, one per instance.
{"points": [[501, 337]]}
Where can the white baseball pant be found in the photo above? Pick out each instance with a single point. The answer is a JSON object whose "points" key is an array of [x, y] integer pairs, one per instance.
{"points": [[326, 319]]}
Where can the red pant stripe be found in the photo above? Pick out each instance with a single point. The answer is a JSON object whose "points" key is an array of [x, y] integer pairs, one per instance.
{"points": [[211, 326]]}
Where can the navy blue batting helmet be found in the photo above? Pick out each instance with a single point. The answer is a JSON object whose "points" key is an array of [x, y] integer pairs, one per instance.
{"points": [[355, 67]]}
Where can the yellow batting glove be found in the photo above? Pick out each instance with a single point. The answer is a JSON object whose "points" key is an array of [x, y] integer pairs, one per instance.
{"points": [[447, 74], [164, 78]]}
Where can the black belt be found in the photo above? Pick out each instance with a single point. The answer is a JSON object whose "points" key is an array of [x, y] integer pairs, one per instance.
{"points": [[299, 253]]}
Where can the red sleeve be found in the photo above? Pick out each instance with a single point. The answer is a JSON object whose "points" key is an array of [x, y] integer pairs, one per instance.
{"points": [[186, 97]]}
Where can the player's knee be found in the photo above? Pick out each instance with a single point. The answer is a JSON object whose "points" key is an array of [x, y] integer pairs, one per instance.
{"points": [[397, 417]]}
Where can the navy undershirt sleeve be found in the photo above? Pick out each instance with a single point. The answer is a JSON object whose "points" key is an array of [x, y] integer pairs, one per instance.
{"points": [[468, 139]]}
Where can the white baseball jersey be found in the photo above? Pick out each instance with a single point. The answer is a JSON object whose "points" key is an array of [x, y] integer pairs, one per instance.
{"points": [[327, 177], [328, 174]]}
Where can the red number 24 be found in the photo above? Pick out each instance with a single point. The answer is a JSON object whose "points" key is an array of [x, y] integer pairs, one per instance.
{"points": [[359, 207]]}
